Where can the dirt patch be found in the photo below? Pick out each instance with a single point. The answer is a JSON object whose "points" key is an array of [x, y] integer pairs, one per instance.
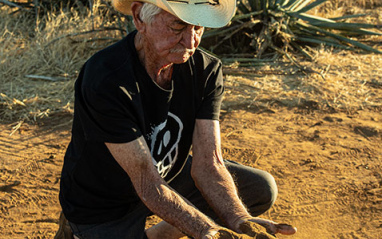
{"points": [[328, 174], [30, 165]]}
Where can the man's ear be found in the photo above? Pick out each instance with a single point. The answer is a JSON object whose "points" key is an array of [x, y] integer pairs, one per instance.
{"points": [[136, 9]]}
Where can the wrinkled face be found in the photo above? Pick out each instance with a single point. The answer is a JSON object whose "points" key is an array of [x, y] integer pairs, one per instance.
{"points": [[171, 39]]}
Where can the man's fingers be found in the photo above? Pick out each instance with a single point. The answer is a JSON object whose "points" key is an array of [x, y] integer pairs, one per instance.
{"points": [[225, 233], [210, 234], [285, 229], [255, 230], [274, 228], [281, 228]]}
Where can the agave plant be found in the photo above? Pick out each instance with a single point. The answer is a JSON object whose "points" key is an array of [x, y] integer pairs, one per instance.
{"points": [[264, 28]]}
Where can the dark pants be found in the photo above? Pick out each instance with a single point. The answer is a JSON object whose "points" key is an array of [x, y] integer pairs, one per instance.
{"points": [[257, 189]]}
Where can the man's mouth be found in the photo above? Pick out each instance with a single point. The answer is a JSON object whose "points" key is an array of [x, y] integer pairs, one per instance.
{"points": [[184, 51]]}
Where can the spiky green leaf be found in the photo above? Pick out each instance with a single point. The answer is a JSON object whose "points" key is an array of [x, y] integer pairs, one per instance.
{"points": [[347, 17], [358, 32], [327, 42], [292, 3], [311, 6], [341, 38], [300, 5], [279, 2], [328, 23], [344, 25], [309, 18]]}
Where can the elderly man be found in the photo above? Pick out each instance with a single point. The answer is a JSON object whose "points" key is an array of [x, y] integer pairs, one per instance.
{"points": [[140, 105]]}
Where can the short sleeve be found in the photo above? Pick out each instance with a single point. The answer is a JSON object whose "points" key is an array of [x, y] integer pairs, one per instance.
{"points": [[212, 95], [107, 113]]}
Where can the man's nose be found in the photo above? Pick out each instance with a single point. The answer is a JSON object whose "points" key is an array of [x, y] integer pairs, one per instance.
{"points": [[189, 37]]}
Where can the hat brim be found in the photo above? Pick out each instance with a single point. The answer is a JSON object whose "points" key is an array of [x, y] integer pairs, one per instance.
{"points": [[205, 15]]}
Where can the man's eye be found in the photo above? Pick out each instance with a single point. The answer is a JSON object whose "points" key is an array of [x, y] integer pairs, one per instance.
{"points": [[177, 29]]}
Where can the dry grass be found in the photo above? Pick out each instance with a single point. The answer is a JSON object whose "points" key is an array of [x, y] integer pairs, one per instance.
{"points": [[51, 46], [343, 81]]}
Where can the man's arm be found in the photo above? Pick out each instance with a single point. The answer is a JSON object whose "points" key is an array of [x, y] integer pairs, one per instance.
{"points": [[208, 167], [211, 176], [134, 157]]}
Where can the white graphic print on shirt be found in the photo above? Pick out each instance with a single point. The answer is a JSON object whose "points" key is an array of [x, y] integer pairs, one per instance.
{"points": [[165, 139]]}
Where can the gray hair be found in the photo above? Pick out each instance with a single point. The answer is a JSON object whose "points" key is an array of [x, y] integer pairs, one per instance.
{"points": [[148, 12]]}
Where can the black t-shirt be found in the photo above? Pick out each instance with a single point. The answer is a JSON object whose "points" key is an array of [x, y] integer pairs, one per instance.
{"points": [[116, 101]]}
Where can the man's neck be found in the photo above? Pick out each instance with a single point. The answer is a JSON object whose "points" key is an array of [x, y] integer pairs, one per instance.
{"points": [[160, 72]]}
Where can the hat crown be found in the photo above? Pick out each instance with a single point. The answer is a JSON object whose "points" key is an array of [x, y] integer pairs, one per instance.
{"points": [[196, 2]]}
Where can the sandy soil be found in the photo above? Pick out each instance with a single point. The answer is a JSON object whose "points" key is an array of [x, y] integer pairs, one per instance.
{"points": [[327, 165]]}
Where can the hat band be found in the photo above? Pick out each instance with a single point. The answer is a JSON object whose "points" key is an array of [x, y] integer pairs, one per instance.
{"points": [[197, 2]]}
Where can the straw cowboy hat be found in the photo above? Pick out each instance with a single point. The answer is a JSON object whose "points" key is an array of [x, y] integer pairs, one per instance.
{"points": [[207, 13]]}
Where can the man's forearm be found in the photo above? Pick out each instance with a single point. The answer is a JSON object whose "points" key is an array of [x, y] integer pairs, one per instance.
{"points": [[211, 176], [162, 200]]}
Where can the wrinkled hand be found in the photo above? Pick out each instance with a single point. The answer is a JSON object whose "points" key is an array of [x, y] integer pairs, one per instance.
{"points": [[253, 233], [254, 230], [271, 226]]}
